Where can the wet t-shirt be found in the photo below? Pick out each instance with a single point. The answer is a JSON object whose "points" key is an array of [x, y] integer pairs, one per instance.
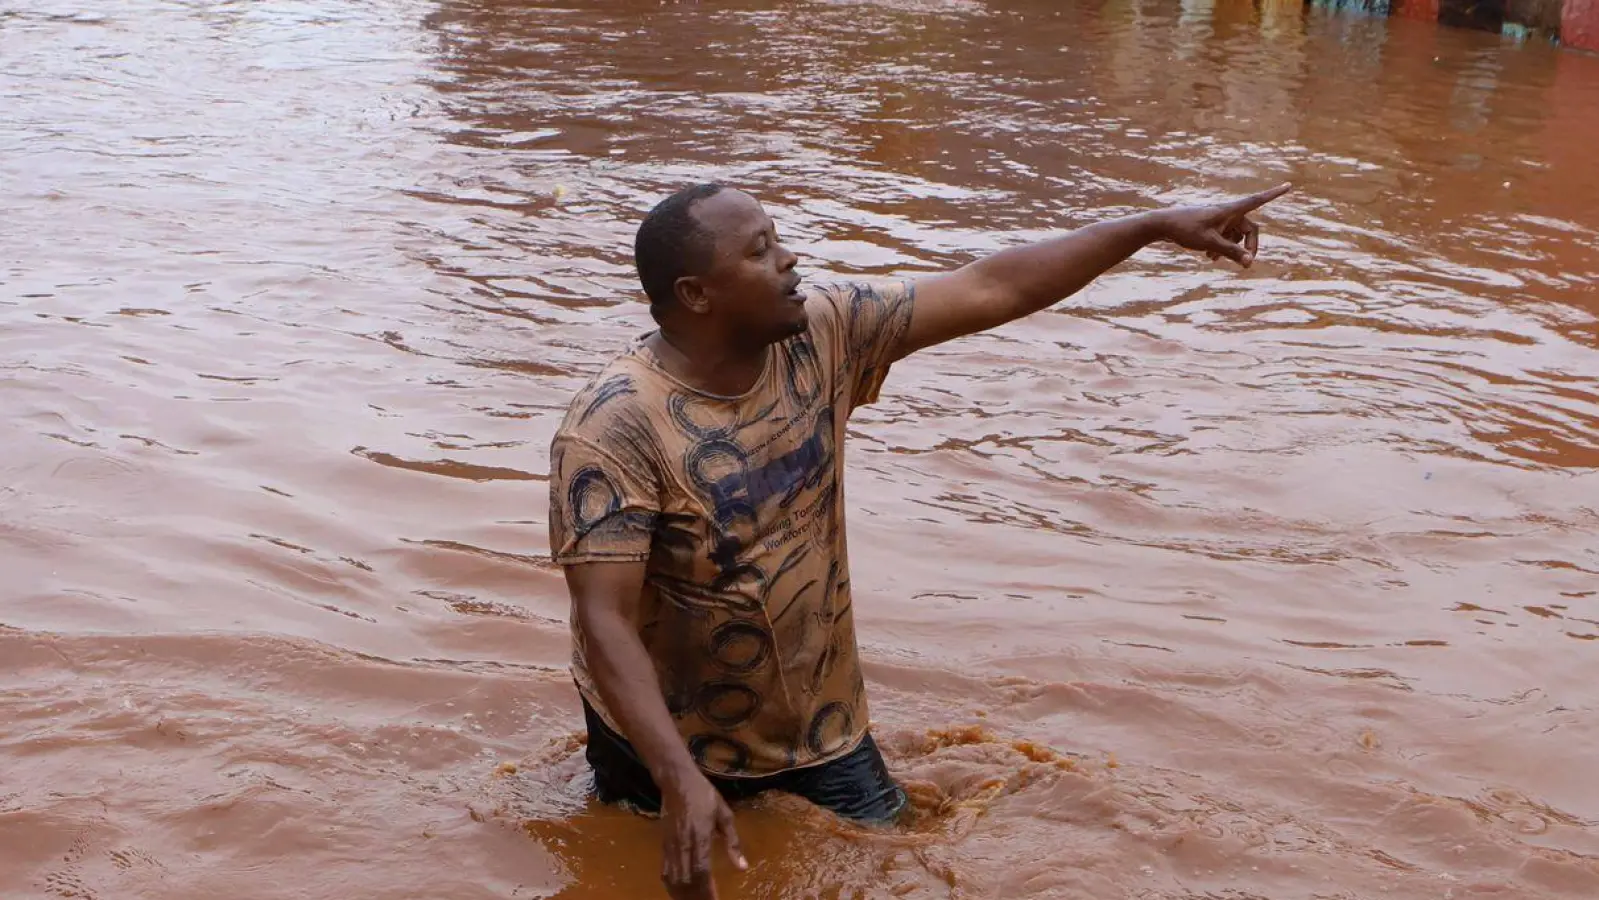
{"points": [[736, 504]]}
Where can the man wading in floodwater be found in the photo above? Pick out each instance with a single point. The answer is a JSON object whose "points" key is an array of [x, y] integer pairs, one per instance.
{"points": [[696, 503]]}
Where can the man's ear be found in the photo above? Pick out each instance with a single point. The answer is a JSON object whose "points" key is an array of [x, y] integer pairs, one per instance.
{"points": [[690, 291]]}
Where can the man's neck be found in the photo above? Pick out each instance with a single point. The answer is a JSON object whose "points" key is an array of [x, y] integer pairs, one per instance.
{"points": [[708, 366]]}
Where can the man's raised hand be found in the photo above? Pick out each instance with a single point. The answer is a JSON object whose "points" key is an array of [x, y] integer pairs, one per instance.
{"points": [[1220, 229]]}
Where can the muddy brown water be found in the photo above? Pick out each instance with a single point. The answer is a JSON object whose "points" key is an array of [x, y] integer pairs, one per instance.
{"points": [[1281, 584]]}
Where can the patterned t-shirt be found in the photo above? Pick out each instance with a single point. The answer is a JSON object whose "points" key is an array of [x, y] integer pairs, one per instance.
{"points": [[737, 505]]}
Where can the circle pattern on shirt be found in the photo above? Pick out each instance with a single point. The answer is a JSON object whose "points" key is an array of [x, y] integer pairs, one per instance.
{"points": [[592, 498], [830, 729], [718, 753], [728, 704], [740, 647], [697, 416]]}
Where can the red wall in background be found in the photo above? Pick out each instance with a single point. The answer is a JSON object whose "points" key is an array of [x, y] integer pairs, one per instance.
{"points": [[1579, 24], [1421, 10]]}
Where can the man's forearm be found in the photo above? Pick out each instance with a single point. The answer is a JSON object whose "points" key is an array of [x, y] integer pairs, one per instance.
{"points": [[1020, 281], [626, 679], [1033, 277]]}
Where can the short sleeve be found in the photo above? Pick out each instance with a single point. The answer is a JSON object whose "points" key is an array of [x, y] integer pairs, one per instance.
{"points": [[866, 322], [603, 502]]}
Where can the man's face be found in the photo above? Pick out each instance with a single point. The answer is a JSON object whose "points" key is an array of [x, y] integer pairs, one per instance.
{"points": [[751, 287]]}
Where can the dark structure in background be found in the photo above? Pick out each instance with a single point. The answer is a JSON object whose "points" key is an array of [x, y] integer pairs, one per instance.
{"points": [[1574, 23]]}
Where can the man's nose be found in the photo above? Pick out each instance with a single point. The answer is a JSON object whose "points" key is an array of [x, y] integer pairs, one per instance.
{"points": [[786, 258]]}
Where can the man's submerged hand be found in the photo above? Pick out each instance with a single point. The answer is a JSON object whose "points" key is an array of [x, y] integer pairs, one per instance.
{"points": [[694, 816], [1219, 229]]}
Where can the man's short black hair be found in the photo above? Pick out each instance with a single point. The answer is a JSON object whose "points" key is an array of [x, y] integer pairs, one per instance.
{"points": [[671, 244]]}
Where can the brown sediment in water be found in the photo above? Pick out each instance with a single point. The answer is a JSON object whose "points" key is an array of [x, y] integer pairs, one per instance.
{"points": [[1266, 584]]}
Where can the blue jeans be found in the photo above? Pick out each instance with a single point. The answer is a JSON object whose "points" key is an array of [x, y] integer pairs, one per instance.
{"points": [[857, 786]]}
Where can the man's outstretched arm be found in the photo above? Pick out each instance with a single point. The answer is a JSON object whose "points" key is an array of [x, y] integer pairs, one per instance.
{"points": [[1020, 281]]}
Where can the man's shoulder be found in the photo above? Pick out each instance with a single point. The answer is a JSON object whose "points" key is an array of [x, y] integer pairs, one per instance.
{"points": [[857, 314], [617, 399], [848, 298], [848, 290]]}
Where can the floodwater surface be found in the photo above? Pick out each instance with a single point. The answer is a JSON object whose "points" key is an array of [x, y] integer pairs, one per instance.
{"points": [[1205, 584]]}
